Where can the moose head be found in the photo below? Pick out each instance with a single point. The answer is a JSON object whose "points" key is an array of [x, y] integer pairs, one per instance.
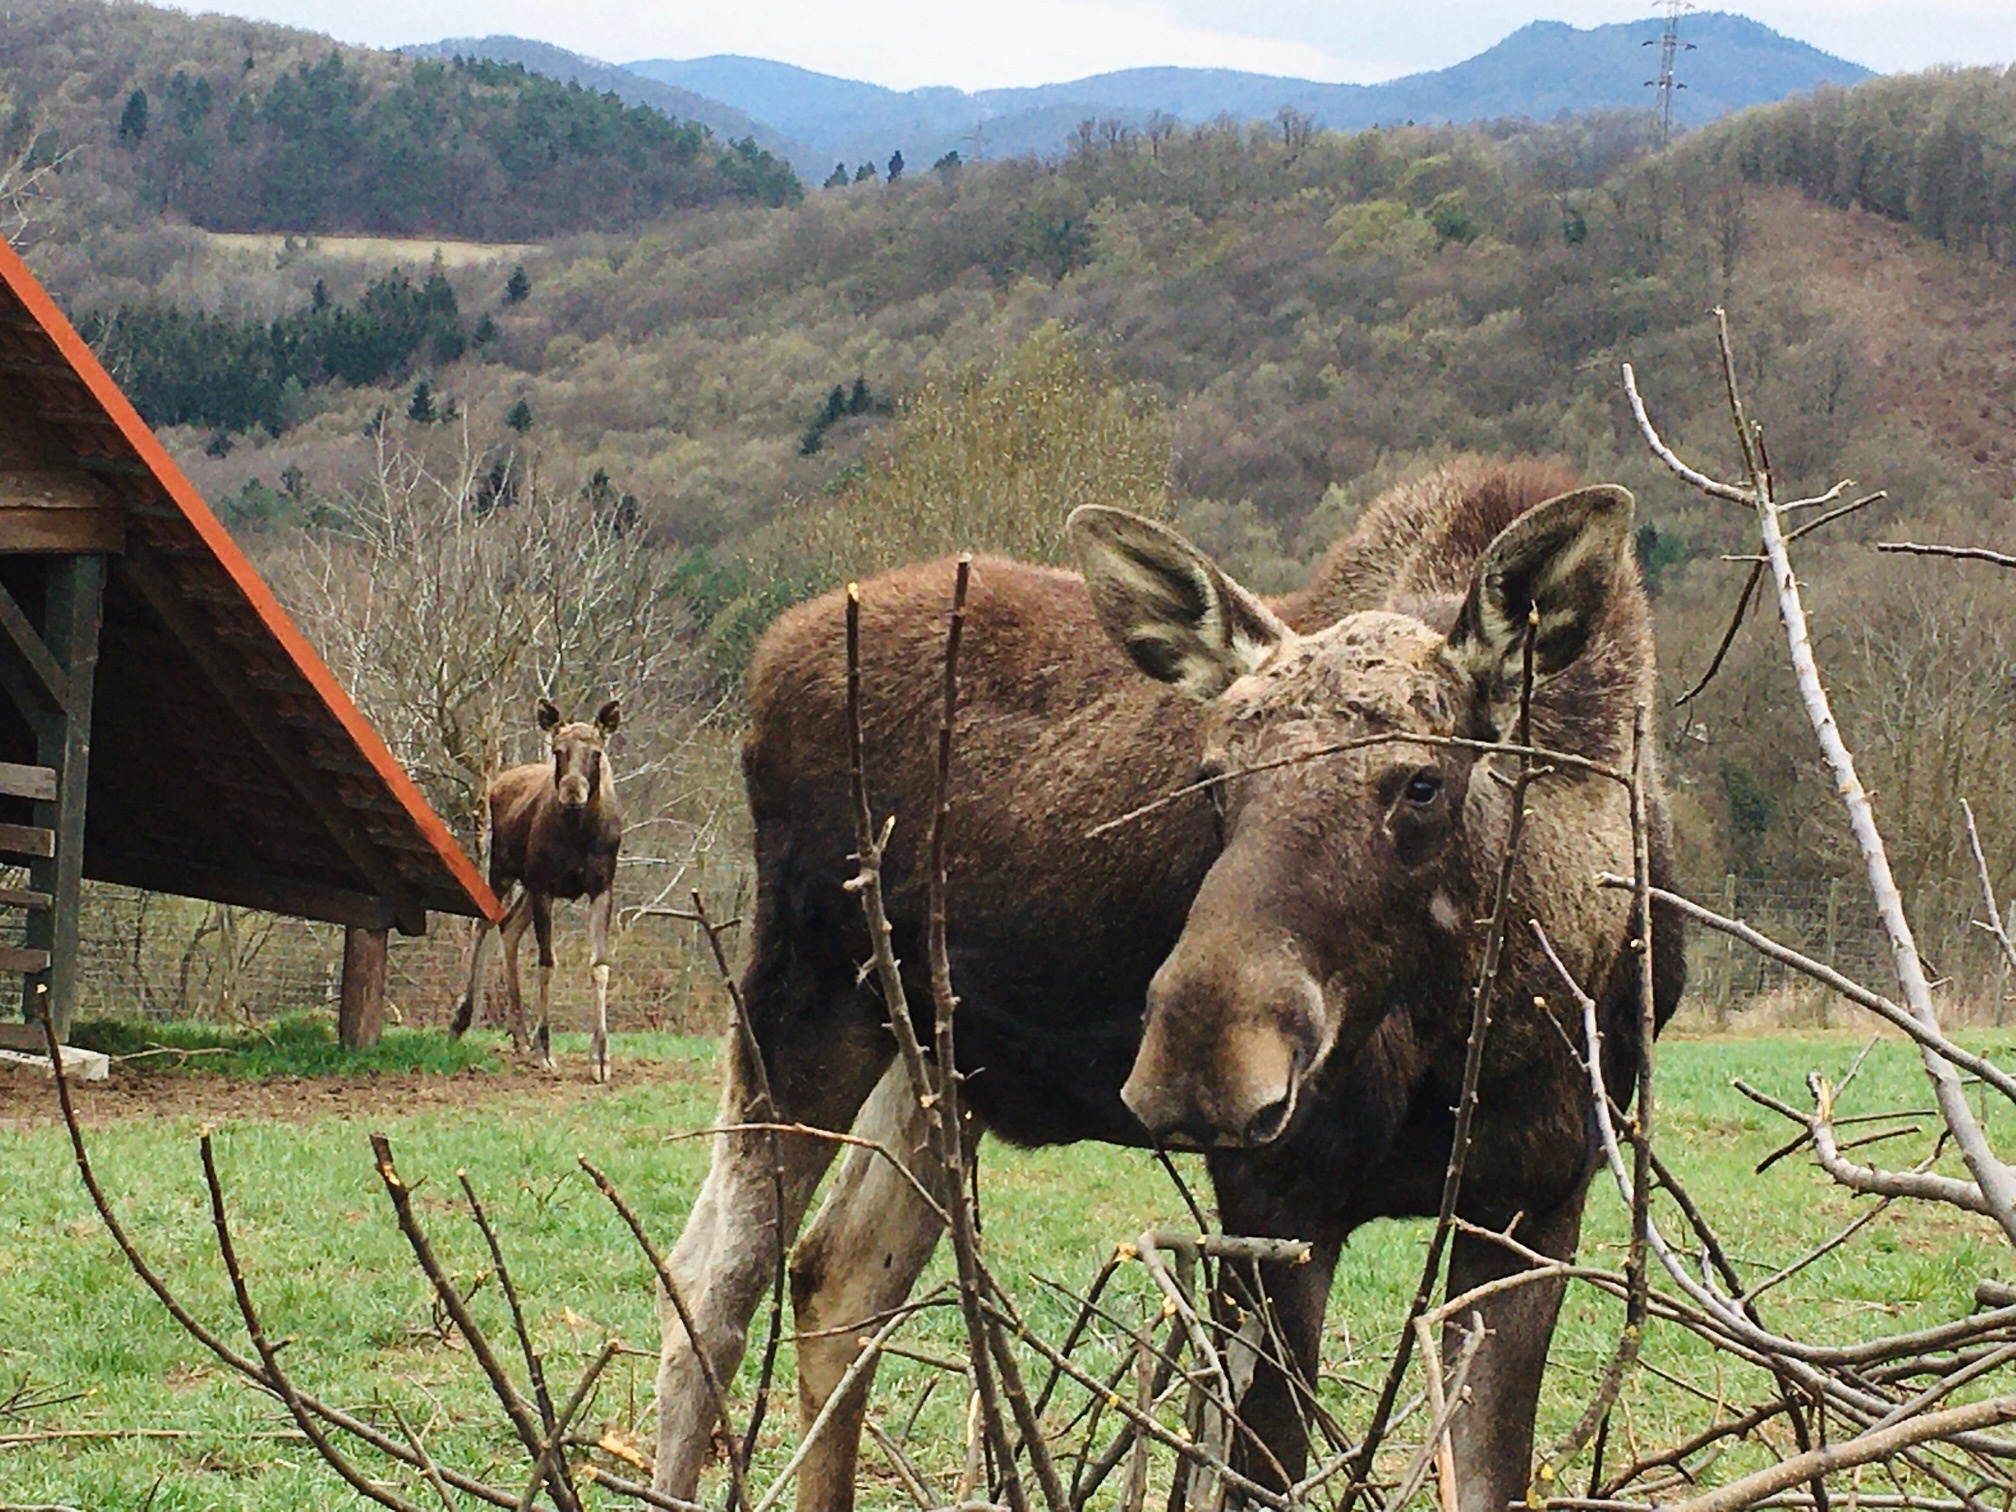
{"points": [[1346, 876], [579, 770]]}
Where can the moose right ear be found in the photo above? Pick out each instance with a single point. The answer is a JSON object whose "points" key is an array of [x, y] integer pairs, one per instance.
{"points": [[1168, 606], [549, 714]]}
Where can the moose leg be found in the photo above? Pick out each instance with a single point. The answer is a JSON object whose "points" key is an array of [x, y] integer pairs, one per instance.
{"points": [[542, 929], [738, 1230], [600, 907], [872, 1237], [513, 930], [1492, 1436], [1273, 1404]]}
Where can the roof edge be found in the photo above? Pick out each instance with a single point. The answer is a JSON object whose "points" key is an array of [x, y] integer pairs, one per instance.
{"points": [[24, 285]]}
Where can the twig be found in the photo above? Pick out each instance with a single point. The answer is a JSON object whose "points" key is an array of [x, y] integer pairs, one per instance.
{"points": [[534, 1369], [1965, 553], [190, 1324], [1994, 924], [1728, 636], [738, 1473], [1748, 1490], [1482, 991], [1996, 1182], [556, 1437], [1929, 1038], [275, 1378]]}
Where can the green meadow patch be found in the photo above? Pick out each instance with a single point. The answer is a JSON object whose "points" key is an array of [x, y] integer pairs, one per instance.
{"points": [[88, 1359]]}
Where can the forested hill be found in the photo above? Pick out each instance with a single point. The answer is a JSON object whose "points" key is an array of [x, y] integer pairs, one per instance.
{"points": [[238, 126]]}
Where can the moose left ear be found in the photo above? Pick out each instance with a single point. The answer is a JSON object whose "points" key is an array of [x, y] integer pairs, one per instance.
{"points": [[608, 717], [1563, 559]]}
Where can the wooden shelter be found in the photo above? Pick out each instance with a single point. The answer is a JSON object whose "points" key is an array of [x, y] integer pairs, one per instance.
{"points": [[163, 723]]}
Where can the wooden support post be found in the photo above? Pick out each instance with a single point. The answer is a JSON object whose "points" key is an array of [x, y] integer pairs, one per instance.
{"points": [[360, 1016], [75, 610]]}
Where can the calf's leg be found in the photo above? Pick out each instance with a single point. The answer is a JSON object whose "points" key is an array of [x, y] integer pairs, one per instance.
{"points": [[1491, 1437], [737, 1231], [479, 958], [599, 909], [513, 930], [871, 1239], [542, 929]]}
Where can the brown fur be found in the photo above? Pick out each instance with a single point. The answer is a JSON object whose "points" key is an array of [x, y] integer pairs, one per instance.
{"points": [[555, 831], [1056, 937]]}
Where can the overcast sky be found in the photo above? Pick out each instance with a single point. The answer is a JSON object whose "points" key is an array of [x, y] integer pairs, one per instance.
{"points": [[988, 43]]}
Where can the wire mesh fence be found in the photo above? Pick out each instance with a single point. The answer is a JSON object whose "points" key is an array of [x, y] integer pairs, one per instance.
{"points": [[147, 955], [152, 956], [1832, 922]]}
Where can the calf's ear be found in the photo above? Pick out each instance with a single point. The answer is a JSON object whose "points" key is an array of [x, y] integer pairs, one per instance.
{"points": [[549, 714], [1550, 573], [1168, 606], [608, 717]]}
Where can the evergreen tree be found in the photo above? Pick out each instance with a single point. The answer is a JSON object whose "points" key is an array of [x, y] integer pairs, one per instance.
{"points": [[948, 165], [837, 179], [486, 330], [420, 408], [865, 172], [860, 401], [133, 119], [519, 417], [517, 287], [896, 165]]}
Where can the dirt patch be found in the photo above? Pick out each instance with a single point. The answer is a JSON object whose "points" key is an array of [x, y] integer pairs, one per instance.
{"points": [[28, 1098]]}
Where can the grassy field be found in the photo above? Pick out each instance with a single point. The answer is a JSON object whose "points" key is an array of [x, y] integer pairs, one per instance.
{"points": [[87, 1359]]}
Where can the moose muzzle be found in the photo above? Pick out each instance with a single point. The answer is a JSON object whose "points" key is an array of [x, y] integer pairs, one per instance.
{"points": [[1230, 1035]]}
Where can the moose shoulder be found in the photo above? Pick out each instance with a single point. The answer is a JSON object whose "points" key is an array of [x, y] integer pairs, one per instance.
{"points": [[1302, 933]]}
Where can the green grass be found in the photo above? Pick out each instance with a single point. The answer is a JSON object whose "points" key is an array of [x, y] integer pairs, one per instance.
{"points": [[298, 1045], [333, 1274]]}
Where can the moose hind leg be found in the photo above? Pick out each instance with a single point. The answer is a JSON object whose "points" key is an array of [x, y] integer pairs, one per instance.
{"points": [[542, 929], [465, 1011], [735, 1236], [512, 930], [1491, 1437], [872, 1237], [600, 907]]}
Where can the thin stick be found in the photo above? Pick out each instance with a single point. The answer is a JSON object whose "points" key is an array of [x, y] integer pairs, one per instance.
{"points": [[1965, 553], [535, 1370], [557, 1437], [276, 1378], [1473, 1068], [752, 1052], [737, 1473], [1728, 636], [244, 1365]]}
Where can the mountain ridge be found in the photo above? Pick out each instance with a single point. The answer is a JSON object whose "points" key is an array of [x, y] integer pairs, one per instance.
{"points": [[1537, 71]]}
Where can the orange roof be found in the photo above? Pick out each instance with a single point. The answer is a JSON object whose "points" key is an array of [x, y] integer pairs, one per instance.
{"points": [[227, 761]]}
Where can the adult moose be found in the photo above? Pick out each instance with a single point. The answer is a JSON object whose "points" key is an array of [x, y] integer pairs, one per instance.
{"points": [[1304, 936], [555, 830]]}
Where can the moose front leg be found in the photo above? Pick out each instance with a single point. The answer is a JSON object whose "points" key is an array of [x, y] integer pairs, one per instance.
{"points": [[1491, 1436], [542, 929], [600, 908]]}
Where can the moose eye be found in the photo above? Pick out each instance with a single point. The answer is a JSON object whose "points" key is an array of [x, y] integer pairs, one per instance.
{"points": [[1423, 788]]}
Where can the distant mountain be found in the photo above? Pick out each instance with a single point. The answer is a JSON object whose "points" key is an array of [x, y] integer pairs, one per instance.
{"points": [[725, 121], [1539, 71]]}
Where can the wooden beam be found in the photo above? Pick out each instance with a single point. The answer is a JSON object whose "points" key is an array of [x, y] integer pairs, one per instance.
{"points": [[38, 782], [33, 653], [74, 611], [26, 962], [23, 897], [162, 594], [242, 889], [360, 1013], [31, 528], [27, 840]]}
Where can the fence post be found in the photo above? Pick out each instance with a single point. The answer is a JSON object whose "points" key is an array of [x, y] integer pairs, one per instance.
{"points": [[1833, 915], [1727, 985], [360, 1015]]}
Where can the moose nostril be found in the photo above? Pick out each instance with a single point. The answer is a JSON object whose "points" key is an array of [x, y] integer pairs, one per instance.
{"points": [[1265, 1126]]}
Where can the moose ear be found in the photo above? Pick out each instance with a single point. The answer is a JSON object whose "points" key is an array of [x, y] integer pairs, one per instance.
{"points": [[1168, 606], [1553, 569], [549, 714], [608, 717]]}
